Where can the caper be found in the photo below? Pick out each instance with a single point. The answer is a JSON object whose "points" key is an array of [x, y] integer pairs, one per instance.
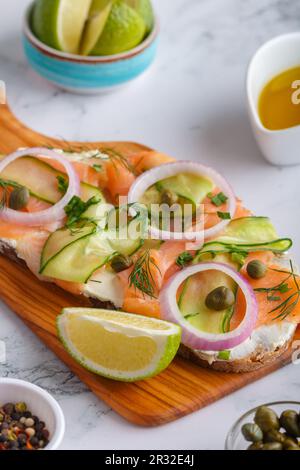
{"points": [[266, 419], [256, 446], [256, 269], [120, 263], [274, 436], [19, 198], [252, 432], [169, 197], [220, 298], [272, 446], [290, 443], [289, 421]]}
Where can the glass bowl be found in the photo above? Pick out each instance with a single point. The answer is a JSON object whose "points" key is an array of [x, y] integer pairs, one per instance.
{"points": [[235, 439]]}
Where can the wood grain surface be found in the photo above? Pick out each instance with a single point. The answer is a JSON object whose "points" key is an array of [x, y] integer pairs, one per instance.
{"points": [[178, 391]]}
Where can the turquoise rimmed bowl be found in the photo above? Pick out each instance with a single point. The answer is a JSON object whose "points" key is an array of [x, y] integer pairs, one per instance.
{"points": [[94, 74]]}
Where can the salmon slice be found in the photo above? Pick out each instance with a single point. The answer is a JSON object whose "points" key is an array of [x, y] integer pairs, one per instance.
{"points": [[272, 279], [211, 217], [146, 160], [164, 266]]}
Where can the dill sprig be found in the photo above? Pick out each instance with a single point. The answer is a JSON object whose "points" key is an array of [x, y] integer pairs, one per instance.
{"points": [[141, 277], [113, 155], [117, 158], [286, 307]]}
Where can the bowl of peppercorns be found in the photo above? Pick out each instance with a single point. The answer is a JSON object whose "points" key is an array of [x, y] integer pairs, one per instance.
{"points": [[30, 418]]}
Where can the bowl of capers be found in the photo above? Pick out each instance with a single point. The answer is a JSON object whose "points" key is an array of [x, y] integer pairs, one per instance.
{"points": [[274, 426]]}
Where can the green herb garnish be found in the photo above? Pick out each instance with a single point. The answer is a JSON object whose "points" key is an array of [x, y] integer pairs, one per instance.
{"points": [[62, 184], [141, 277], [98, 168], [224, 215], [218, 199], [184, 258], [286, 307], [224, 355], [77, 207]]}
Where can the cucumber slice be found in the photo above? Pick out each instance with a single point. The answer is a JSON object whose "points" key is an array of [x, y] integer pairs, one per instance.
{"points": [[194, 188], [248, 234], [75, 255], [77, 261], [41, 180], [62, 238], [192, 301]]}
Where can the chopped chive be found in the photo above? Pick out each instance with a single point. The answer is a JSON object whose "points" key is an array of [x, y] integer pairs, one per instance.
{"points": [[62, 184], [218, 199], [224, 355], [224, 215], [98, 168], [183, 259]]}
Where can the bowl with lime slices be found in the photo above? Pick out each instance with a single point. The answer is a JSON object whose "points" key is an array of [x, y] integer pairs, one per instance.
{"points": [[90, 46]]}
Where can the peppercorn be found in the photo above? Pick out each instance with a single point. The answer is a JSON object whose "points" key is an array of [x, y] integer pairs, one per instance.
{"points": [[8, 408], [29, 422]]}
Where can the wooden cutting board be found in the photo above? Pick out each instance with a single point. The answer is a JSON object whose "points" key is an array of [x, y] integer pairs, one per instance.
{"points": [[178, 391]]}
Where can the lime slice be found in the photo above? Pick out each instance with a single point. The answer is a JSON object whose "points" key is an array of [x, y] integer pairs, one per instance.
{"points": [[124, 30], [145, 10], [60, 23], [96, 22], [118, 345]]}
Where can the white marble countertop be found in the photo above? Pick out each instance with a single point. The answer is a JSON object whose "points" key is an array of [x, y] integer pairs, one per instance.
{"points": [[191, 105]]}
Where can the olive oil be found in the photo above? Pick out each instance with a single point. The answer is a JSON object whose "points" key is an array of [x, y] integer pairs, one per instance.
{"points": [[279, 102]]}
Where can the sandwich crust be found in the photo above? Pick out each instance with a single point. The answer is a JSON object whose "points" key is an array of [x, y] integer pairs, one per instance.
{"points": [[259, 358]]}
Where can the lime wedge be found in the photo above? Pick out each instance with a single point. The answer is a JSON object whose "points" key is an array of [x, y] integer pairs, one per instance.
{"points": [[145, 10], [95, 24], [121, 346], [60, 23], [124, 30]]}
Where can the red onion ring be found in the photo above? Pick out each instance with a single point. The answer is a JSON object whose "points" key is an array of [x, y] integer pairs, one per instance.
{"points": [[150, 177], [195, 338], [53, 213]]}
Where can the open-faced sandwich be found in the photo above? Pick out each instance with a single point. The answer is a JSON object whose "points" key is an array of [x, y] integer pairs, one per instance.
{"points": [[224, 276]]}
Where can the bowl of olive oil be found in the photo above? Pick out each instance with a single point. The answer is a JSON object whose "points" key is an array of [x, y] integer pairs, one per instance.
{"points": [[273, 91]]}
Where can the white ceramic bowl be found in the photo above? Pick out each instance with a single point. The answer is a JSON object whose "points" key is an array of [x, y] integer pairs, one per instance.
{"points": [[40, 403], [281, 53]]}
